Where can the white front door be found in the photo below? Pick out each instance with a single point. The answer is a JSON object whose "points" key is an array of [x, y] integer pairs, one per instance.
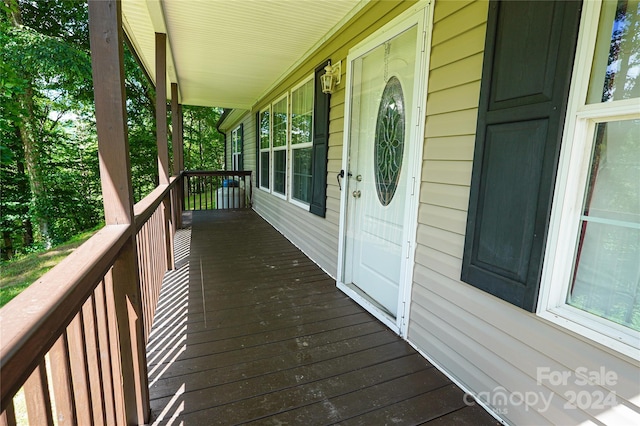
{"points": [[382, 146]]}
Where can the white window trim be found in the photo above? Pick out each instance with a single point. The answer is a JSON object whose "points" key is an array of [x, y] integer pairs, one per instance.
{"points": [[293, 147], [284, 148], [234, 153], [573, 172], [262, 187]]}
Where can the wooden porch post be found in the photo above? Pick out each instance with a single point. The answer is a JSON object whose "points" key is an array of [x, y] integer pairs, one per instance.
{"points": [[105, 28], [177, 142], [162, 140]]}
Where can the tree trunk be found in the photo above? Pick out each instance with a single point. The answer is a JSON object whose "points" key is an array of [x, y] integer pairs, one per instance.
{"points": [[27, 226], [26, 129], [7, 250]]}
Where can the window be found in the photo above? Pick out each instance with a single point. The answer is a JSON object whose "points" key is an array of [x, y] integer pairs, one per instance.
{"points": [[236, 148], [292, 144], [591, 282], [301, 142], [280, 138], [265, 147]]}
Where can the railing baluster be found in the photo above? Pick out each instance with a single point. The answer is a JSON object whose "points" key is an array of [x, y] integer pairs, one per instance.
{"points": [[8, 417], [105, 354], [210, 193], [36, 390], [79, 372], [200, 181], [61, 380], [114, 349], [93, 362]]}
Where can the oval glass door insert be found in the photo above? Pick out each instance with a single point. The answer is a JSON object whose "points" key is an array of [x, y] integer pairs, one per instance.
{"points": [[389, 142]]}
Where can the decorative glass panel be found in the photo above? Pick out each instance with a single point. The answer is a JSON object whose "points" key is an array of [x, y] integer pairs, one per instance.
{"points": [[616, 68], [389, 141], [606, 279]]}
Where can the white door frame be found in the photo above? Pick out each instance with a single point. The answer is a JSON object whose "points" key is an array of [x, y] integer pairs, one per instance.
{"points": [[421, 15]]}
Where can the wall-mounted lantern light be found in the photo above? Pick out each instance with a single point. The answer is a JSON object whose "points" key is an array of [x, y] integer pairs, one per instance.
{"points": [[331, 78]]}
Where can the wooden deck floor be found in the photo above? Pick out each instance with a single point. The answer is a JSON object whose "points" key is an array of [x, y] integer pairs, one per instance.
{"points": [[249, 330]]}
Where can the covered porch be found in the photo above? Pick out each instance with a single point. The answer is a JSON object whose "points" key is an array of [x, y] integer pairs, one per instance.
{"points": [[249, 330]]}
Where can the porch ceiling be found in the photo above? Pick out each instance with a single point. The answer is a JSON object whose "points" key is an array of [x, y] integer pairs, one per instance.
{"points": [[229, 53]]}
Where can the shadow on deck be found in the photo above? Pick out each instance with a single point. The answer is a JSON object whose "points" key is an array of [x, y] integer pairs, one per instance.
{"points": [[249, 330]]}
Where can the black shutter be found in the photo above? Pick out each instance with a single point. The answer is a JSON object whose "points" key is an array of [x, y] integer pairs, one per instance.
{"points": [[241, 143], [320, 147], [528, 58], [258, 149]]}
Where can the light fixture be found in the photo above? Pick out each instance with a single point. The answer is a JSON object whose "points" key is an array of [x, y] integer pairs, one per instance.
{"points": [[331, 77]]}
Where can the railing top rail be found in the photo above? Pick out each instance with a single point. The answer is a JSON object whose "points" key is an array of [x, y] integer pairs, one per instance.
{"points": [[32, 322], [221, 173]]}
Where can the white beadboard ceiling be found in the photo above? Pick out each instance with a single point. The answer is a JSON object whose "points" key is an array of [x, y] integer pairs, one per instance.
{"points": [[229, 53]]}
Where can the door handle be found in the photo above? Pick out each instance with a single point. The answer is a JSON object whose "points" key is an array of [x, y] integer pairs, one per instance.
{"points": [[357, 193], [341, 176]]}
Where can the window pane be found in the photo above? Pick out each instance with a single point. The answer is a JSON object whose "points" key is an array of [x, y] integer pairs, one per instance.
{"points": [[616, 68], [280, 123], [264, 169], [264, 129], [302, 113], [607, 272], [301, 185], [279, 171], [236, 162]]}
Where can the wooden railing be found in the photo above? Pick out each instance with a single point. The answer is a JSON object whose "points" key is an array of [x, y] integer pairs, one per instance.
{"points": [[73, 342], [213, 190]]}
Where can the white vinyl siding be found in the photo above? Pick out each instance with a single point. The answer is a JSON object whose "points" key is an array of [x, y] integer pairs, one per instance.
{"points": [[481, 341]]}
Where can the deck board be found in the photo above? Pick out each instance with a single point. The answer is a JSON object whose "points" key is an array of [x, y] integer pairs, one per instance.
{"points": [[250, 331]]}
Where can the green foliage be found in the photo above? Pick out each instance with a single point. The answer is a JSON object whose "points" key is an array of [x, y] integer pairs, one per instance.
{"points": [[203, 144], [19, 273], [49, 170]]}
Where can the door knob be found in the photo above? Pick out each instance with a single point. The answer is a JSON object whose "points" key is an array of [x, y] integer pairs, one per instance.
{"points": [[356, 194]]}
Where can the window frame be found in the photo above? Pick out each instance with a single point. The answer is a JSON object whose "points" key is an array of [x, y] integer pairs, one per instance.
{"points": [[263, 150], [284, 147], [293, 147], [236, 154], [572, 178]]}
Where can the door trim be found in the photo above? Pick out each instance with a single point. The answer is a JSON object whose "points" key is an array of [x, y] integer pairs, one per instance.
{"points": [[422, 16]]}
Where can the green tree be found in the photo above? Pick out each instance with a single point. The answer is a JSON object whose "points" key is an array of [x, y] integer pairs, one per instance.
{"points": [[203, 144], [54, 75]]}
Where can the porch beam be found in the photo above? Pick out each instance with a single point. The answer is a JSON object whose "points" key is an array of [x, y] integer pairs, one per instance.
{"points": [[106, 38], [161, 108], [163, 141], [176, 130], [177, 142]]}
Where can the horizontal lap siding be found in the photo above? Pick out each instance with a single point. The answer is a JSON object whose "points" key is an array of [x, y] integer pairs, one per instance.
{"points": [[482, 341], [316, 236]]}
